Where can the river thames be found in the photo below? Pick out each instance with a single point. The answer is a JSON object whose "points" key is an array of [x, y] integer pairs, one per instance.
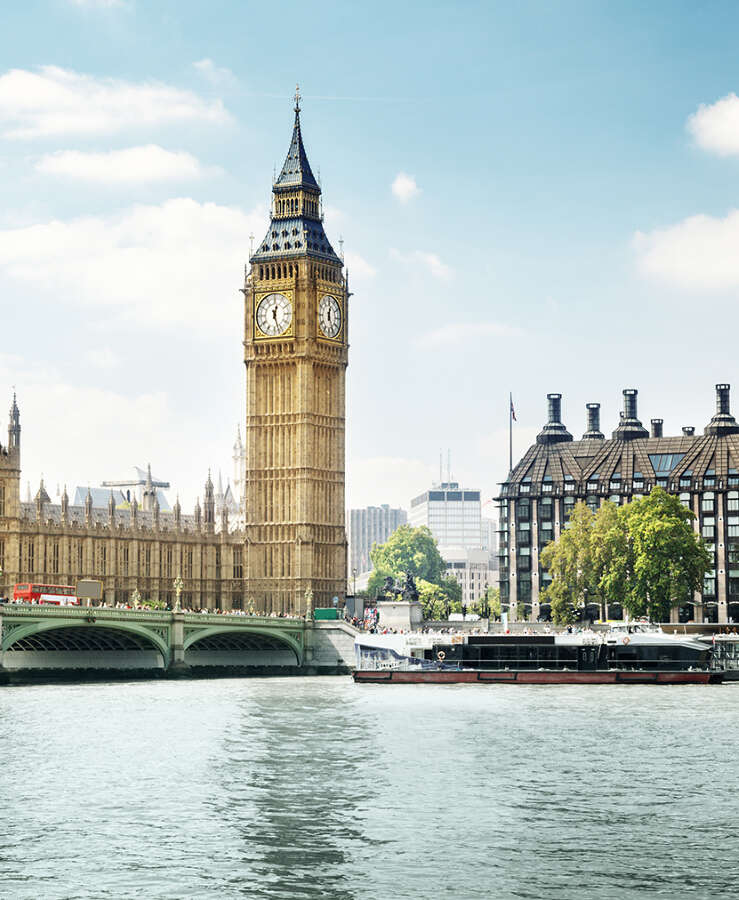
{"points": [[319, 788]]}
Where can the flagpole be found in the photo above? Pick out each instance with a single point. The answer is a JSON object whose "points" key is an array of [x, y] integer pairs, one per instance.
{"points": [[510, 432]]}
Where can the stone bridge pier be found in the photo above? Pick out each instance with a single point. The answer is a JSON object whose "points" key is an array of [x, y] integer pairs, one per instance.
{"points": [[163, 643]]}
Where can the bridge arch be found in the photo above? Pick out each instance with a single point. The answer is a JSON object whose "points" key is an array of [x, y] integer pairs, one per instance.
{"points": [[75, 637], [219, 645]]}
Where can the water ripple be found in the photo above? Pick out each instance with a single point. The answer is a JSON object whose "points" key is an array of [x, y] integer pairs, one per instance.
{"points": [[316, 788]]}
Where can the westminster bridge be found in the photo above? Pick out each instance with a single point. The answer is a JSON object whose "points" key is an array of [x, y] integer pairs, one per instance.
{"points": [[37, 639]]}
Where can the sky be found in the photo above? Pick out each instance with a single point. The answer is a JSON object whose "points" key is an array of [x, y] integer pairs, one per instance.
{"points": [[533, 198]]}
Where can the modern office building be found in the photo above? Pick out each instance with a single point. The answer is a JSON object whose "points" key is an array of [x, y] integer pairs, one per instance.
{"points": [[367, 527], [454, 517], [452, 514], [557, 471]]}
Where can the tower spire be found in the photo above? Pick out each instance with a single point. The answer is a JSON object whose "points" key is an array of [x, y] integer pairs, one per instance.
{"points": [[14, 426], [296, 229]]}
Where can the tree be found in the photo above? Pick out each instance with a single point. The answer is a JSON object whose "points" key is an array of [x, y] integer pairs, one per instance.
{"points": [[414, 551], [410, 551], [644, 555], [453, 591], [570, 562], [377, 580], [612, 555], [669, 559], [433, 600], [491, 604]]}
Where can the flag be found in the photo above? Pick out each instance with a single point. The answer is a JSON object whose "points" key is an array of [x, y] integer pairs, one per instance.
{"points": [[513, 411]]}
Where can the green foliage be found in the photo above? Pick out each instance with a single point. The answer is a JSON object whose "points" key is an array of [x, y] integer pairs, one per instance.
{"points": [[644, 556], [377, 579], [570, 561], [433, 600], [490, 606], [409, 551], [453, 590], [414, 551], [669, 559]]}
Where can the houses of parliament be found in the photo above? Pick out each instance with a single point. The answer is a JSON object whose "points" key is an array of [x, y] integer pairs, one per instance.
{"points": [[288, 548]]}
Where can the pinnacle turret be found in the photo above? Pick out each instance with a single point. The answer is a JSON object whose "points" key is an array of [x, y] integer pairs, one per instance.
{"points": [[14, 426]]}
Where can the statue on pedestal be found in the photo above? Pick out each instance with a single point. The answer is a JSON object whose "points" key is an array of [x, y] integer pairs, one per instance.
{"points": [[410, 591]]}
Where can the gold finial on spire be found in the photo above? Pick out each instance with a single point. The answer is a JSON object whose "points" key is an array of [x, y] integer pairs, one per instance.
{"points": [[297, 98]]}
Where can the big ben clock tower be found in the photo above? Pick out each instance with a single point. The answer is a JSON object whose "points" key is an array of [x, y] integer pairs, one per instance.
{"points": [[296, 354]]}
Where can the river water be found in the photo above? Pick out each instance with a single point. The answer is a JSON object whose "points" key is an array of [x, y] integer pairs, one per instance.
{"points": [[318, 788]]}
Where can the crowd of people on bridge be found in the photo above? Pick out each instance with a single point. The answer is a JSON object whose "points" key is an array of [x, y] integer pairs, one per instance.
{"points": [[144, 607]]}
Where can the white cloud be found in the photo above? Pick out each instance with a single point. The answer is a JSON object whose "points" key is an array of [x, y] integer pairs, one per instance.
{"points": [[715, 127], [401, 479], [357, 265], [404, 187], [55, 101], [99, 4], [49, 405], [213, 73], [102, 358], [149, 163], [699, 253], [179, 264], [430, 261], [465, 332]]}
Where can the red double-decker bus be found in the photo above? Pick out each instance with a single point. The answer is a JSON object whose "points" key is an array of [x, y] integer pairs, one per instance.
{"points": [[54, 594]]}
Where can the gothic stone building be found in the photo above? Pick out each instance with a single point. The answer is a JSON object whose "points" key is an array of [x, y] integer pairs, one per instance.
{"points": [[556, 472], [127, 549], [291, 540]]}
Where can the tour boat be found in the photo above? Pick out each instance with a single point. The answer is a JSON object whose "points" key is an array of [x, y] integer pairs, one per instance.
{"points": [[630, 656]]}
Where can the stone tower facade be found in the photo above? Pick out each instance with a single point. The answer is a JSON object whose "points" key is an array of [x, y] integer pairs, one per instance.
{"points": [[296, 353]]}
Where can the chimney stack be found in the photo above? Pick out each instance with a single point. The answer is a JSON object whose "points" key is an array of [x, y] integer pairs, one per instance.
{"points": [[688, 430], [630, 403], [554, 402], [554, 431], [657, 427], [723, 422], [722, 399], [630, 427], [593, 418]]}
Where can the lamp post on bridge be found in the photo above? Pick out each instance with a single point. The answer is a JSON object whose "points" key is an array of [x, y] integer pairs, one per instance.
{"points": [[178, 585]]}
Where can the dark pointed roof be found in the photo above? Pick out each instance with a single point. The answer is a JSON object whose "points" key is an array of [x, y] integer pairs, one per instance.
{"points": [[296, 170], [632, 461], [299, 234]]}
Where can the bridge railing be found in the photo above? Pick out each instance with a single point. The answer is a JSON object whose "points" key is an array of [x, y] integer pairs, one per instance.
{"points": [[149, 615]]}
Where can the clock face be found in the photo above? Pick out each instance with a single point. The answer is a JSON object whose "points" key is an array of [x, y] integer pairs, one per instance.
{"points": [[329, 316], [274, 314]]}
